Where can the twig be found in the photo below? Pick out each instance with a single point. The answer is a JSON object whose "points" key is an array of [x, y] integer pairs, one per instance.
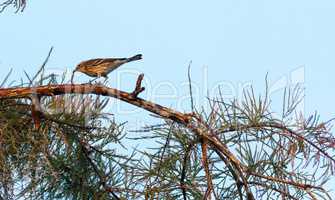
{"points": [[43, 65], [270, 187], [238, 127], [190, 85], [166, 145], [6, 78], [206, 167], [102, 178], [138, 89], [18, 4], [298, 185], [183, 172]]}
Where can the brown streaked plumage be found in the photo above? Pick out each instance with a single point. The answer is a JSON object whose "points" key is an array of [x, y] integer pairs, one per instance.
{"points": [[101, 67]]}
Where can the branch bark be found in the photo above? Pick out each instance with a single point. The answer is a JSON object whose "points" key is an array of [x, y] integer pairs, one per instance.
{"points": [[52, 90]]}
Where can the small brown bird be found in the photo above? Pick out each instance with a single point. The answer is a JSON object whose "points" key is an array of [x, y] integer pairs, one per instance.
{"points": [[101, 67]]}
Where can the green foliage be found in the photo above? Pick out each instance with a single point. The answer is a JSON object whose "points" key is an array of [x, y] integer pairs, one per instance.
{"points": [[75, 153], [67, 157], [284, 155]]}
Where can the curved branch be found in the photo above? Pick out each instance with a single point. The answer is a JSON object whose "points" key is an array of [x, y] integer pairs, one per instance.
{"points": [[52, 90]]}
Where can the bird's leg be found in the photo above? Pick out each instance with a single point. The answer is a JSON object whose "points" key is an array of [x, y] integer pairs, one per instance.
{"points": [[99, 76], [72, 76], [91, 81], [105, 81]]}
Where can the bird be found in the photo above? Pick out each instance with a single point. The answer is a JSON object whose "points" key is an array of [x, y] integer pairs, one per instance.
{"points": [[101, 67]]}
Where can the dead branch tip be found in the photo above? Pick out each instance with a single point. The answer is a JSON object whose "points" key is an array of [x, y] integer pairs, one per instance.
{"points": [[138, 88]]}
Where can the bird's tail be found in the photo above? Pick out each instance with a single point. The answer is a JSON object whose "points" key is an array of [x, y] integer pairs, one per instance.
{"points": [[136, 57]]}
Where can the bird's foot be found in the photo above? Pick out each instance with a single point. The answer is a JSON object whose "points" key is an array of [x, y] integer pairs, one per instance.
{"points": [[99, 83]]}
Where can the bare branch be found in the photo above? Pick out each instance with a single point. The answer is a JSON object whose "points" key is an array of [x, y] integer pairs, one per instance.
{"points": [[138, 89]]}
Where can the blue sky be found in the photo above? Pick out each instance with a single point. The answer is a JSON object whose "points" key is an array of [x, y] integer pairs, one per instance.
{"points": [[233, 42]]}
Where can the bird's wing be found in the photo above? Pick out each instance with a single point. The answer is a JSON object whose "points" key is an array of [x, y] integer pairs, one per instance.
{"points": [[92, 62], [99, 61]]}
